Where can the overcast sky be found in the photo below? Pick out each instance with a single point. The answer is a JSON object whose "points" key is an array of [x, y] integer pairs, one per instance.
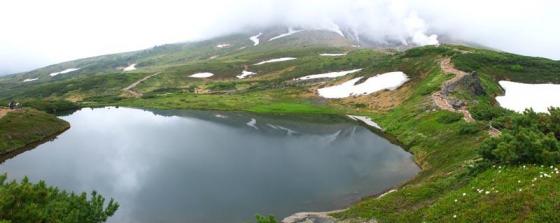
{"points": [[36, 33]]}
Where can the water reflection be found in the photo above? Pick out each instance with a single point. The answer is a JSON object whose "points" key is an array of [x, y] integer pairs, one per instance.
{"points": [[193, 166]]}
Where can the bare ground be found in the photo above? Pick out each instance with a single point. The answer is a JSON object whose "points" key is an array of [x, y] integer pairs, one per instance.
{"points": [[3, 112]]}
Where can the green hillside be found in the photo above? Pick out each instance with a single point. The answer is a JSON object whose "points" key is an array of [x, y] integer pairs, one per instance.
{"points": [[444, 144]]}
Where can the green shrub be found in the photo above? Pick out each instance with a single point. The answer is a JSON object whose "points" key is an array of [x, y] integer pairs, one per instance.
{"points": [[486, 112], [531, 138], [469, 128], [522, 146], [51, 106], [449, 117], [265, 219], [28, 202]]}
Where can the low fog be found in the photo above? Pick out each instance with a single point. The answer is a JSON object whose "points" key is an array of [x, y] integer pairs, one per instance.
{"points": [[36, 33]]}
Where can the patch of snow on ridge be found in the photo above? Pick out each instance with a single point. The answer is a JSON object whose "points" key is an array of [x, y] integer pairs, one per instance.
{"points": [[255, 39], [130, 67], [329, 75], [64, 71], [289, 33], [276, 60], [30, 79], [520, 96], [245, 74], [332, 54], [223, 45], [202, 75], [366, 120], [253, 123], [389, 81]]}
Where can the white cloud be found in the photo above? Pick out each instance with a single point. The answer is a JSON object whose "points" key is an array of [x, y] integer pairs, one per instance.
{"points": [[36, 32]]}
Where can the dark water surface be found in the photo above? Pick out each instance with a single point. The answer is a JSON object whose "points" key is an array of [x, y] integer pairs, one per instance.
{"points": [[214, 167]]}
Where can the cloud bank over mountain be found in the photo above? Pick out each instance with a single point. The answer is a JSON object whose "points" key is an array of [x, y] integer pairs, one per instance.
{"points": [[36, 33]]}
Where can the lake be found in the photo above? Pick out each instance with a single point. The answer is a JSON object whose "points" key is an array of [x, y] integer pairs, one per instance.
{"points": [[215, 167]]}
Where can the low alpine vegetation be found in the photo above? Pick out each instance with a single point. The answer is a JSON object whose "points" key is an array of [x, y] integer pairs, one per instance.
{"points": [[29, 202], [529, 138]]}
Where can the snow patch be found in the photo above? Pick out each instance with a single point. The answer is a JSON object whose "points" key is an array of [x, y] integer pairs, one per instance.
{"points": [[30, 79], [220, 116], [329, 75], [245, 74], [520, 96], [202, 75], [332, 54], [64, 71], [255, 39], [253, 123], [389, 81], [223, 45], [276, 60], [388, 192], [130, 67], [366, 120], [289, 33]]}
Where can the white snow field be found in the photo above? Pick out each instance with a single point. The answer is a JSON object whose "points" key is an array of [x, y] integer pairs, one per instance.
{"points": [[289, 33], [520, 96], [332, 54], [223, 45], [389, 81], [64, 71], [329, 75], [245, 74], [255, 39], [30, 79], [276, 60], [202, 75], [365, 119], [130, 67]]}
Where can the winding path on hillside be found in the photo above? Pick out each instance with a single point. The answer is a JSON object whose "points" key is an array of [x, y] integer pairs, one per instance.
{"points": [[130, 88], [440, 97], [441, 100]]}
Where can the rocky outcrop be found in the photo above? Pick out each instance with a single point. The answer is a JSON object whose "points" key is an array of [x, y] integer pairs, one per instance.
{"points": [[469, 82]]}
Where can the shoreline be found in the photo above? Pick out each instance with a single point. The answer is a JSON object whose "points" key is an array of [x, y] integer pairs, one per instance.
{"points": [[298, 217], [29, 146]]}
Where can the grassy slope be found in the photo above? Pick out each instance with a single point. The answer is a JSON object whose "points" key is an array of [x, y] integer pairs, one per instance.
{"points": [[446, 156], [27, 126], [439, 147]]}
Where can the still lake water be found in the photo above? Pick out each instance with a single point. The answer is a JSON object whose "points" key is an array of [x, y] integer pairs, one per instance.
{"points": [[214, 167]]}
